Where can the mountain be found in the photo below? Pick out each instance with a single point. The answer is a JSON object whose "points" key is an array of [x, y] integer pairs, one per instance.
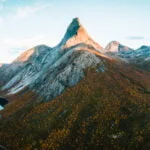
{"points": [[139, 57], [47, 69], [115, 47], [76, 34], [76, 95]]}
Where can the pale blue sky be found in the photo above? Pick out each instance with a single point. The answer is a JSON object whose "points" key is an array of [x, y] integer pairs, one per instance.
{"points": [[26, 23]]}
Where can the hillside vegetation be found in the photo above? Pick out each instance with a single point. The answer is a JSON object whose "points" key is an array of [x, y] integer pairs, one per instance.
{"points": [[107, 110]]}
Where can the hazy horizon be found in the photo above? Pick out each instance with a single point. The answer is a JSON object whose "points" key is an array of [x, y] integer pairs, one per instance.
{"points": [[25, 24]]}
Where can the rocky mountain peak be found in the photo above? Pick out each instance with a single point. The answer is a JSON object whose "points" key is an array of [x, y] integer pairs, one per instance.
{"points": [[77, 34], [115, 46], [74, 27]]}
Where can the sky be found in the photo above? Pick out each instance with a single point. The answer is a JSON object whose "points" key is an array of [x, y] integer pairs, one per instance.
{"points": [[27, 23]]}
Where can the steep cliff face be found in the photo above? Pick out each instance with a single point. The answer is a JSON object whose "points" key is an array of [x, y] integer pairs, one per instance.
{"points": [[77, 34]]}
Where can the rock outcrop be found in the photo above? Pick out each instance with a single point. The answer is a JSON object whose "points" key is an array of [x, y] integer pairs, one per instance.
{"points": [[116, 47]]}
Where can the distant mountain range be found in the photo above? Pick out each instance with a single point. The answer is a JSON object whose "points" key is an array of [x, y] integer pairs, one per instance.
{"points": [[77, 86]]}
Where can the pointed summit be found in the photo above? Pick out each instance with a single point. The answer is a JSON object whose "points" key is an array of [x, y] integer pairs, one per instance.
{"points": [[73, 28], [76, 29], [77, 34]]}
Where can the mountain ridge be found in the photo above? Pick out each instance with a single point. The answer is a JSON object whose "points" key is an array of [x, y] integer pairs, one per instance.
{"points": [[31, 67], [36, 62], [115, 46]]}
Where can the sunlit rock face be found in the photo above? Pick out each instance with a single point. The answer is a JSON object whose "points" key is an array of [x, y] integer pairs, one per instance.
{"points": [[77, 34], [49, 71]]}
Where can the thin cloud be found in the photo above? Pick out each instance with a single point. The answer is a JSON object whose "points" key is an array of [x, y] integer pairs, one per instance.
{"points": [[14, 43], [135, 38], [26, 11]]}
